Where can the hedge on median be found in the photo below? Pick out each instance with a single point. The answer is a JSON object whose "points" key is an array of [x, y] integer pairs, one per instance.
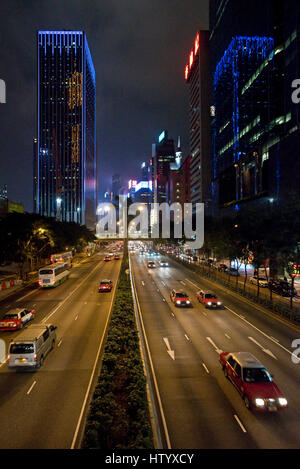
{"points": [[119, 415]]}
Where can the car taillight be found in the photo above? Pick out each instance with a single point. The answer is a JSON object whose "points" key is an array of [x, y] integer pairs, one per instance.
{"points": [[8, 357], [35, 356]]}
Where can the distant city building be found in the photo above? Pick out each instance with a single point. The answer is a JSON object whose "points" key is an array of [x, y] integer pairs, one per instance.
{"points": [[65, 184], [143, 192], [146, 171], [116, 186], [254, 49], [179, 185], [3, 193], [131, 188], [163, 155], [197, 76]]}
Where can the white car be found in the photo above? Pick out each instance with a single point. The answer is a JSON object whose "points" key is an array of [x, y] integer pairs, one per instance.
{"points": [[263, 282]]}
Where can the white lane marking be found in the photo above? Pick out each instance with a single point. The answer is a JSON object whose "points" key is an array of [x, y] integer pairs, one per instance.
{"points": [[240, 424], [205, 367], [268, 352], [163, 283], [76, 317], [214, 345], [59, 343], [276, 340], [228, 336], [187, 337], [164, 300], [184, 284], [143, 283], [170, 352], [197, 286], [31, 388], [25, 296], [70, 294], [94, 369], [173, 315], [157, 290], [254, 327], [263, 333], [204, 314]]}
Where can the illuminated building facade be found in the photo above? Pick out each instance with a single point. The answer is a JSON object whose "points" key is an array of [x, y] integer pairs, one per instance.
{"points": [[163, 155], [66, 161], [254, 50], [197, 76]]}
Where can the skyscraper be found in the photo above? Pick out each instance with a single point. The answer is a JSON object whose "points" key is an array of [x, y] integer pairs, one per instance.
{"points": [[66, 167], [163, 155], [254, 49], [197, 73]]}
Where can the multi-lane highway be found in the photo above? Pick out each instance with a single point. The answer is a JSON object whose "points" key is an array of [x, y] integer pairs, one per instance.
{"points": [[46, 408], [201, 408]]}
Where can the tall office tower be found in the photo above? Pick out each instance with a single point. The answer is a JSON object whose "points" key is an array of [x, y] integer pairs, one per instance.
{"points": [[163, 155], [146, 171], [116, 186], [35, 173], [254, 50], [197, 74], [66, 168]]}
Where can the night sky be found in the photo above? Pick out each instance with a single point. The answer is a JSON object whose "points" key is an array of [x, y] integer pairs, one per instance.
{"points": [[139, 49]]}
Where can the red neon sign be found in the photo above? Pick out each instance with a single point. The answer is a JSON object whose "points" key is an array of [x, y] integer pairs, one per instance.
{"points": [[191, 59], [186, 73], [197, 43], [192, 56]]}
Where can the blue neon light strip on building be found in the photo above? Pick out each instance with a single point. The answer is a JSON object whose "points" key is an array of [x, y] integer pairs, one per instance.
{"points": [[228, 69]]}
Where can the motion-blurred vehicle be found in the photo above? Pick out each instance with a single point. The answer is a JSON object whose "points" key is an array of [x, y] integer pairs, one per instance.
{"points": [[282, 288], [105, 286], [180, 299], [164, 264], [222, 268], [16, 319], [116, 257], [151, 265], [253, 381], [209, 299], [233, 272], [261, 281], [107, 258]]}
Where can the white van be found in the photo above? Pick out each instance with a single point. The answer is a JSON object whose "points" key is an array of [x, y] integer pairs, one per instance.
{"points": [[30, 347]]}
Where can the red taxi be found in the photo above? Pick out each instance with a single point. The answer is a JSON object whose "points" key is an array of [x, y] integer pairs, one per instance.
{"points": [[209, 300], [16, 318], [180, 299], [253, 381], [105, 286]]}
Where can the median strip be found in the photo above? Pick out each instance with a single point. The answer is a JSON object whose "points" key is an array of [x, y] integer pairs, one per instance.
{"points": [[119, 414]]}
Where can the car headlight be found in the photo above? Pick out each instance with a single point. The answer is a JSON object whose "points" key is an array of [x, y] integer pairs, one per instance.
{"points": [[178, 302], [209, 303], [219, 303], [188, 302], [259, 402], [282, 401]]}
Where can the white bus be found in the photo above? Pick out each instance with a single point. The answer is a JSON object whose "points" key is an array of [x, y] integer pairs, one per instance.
{"points": [[62, 258], [53, 275]]}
